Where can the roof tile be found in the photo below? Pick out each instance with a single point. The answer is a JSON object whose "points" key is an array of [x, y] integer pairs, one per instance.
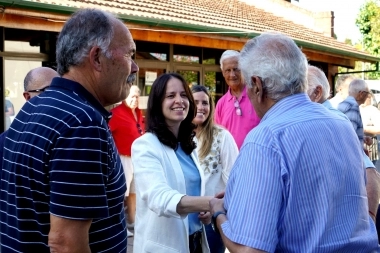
{"points": [[229, 14]]}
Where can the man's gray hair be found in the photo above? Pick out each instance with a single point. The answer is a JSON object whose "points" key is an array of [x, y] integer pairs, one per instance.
{"points": [[227, 55], [277, 60], [316, 77], [28, 79], [341, 79], [356, 86], [85, 29]]}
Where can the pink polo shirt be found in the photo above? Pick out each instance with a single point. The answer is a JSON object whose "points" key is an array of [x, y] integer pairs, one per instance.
{"points": [[239, 126]]}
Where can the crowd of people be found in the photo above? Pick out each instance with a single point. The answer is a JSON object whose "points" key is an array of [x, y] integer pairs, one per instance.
{"points": [[275, 166]]}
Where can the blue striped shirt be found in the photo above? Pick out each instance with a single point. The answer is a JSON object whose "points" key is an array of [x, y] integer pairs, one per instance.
{"points": [[367, 162], [350, 108], [298, 184], [60, 159]]}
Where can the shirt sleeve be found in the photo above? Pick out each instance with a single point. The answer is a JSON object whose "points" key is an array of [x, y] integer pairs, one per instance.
{"points": [[253, 198], [79, 172], [217, 116], [228, 154], [151, 180]]}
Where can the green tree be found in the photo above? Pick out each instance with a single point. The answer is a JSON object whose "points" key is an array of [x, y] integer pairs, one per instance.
{"points": [[368, 22]]}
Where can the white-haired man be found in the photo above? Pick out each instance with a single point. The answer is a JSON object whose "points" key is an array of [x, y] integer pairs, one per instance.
{"points": [[318, 91], [341, 89], [358, 92], [233, 110], [283, 194]]}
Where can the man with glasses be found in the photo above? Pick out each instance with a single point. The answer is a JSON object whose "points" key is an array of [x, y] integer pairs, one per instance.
{"points": [[36, 81], [126, 125], [298, 184], [233, 110], [357, 94]]}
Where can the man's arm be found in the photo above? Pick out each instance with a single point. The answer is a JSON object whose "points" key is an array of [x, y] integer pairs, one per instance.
{"points": [[217, 205], [68, 235], [373, 191], [372, 130]]}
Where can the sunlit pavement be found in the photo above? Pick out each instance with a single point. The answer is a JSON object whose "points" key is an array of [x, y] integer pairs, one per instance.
{"points": [[130, 243]]}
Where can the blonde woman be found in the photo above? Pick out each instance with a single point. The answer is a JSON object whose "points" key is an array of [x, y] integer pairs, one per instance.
{"points": [[217, 153]]}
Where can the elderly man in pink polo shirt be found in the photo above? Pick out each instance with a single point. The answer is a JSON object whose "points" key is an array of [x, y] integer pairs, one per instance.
{"points": [[234, 111]]}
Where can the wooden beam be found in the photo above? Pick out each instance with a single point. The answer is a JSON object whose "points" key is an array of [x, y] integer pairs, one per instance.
{"points": [[30, 23], [188, 40], [328, 58]]}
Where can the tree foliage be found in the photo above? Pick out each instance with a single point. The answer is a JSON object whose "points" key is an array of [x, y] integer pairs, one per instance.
{"points": [[368, 22]]}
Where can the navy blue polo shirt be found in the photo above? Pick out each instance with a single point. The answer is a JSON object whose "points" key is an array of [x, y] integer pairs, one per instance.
{"points": [[60, 159]]}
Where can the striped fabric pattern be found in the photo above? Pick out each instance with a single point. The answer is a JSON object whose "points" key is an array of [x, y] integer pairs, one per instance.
{"points": [[351, 109], [298, 184], [60, 159]]}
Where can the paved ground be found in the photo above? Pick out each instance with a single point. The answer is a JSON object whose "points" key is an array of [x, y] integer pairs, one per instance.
{"points": [[130, 243]]}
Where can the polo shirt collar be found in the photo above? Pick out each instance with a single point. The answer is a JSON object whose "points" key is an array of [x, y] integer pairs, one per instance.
{"points": [[230, 97], [77, 88]]}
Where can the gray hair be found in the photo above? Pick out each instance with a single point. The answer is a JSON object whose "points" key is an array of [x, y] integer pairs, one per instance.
{"points": [[341, 79], [28, 79], [85, 29], [356, 86], [276, 59], [316, 77], [136, 88], [227, 55]]}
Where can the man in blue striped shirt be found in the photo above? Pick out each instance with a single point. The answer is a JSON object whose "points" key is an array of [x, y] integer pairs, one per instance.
{"points": [[358, 92], [319, 91], [292, 189], [62, 184]]}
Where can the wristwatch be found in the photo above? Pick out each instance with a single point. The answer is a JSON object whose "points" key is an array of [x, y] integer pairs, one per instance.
{"points": [[213, 221]]}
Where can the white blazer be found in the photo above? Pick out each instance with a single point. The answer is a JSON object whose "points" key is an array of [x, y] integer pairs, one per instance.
{"points": [[160, 185]]}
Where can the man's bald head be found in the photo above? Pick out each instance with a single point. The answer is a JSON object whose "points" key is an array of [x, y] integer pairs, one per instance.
{"points": [[37, 79]]}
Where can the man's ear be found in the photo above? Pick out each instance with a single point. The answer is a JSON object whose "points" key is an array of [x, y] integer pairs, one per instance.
{"points": [[257, 87], [318, 93], [26, 95], [95, 58]]}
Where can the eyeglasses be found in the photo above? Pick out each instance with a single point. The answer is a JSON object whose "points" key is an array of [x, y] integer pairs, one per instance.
{"points": [[39, 90], [237, 107], [367, 92], [139, 129]]}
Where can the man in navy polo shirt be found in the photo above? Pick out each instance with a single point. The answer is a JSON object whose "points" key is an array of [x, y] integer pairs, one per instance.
{"points": [[62, 185]]}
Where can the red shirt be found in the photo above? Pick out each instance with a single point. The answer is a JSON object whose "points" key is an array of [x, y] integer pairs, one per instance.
{"points": [[124, 127]]}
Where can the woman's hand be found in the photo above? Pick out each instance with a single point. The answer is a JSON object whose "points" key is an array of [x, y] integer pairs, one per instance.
{"points": [[205, 217]]}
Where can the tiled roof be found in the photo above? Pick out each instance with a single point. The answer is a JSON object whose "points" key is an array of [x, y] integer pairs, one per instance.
{"points": [[215, 14]]}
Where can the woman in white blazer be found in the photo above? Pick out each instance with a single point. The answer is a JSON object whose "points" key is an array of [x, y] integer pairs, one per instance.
{"points": [[217, 153], [169, 182]]}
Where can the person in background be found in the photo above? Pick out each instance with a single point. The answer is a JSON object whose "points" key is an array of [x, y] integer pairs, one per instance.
{"points": [[371, 125], [169, 181], [318, 91], [341, 89], [59, 155], [36, 81], [357, 94], [298, 184], [9, 110], [126, 125], [234, 111], [217, 153]]}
